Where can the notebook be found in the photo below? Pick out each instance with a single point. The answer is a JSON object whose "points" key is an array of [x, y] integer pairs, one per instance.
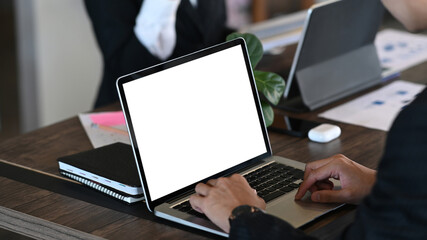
{"points": [[199, 117], [110, 169]]}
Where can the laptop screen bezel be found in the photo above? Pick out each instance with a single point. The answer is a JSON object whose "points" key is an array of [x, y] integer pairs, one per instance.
{"points": [[172, 63]]}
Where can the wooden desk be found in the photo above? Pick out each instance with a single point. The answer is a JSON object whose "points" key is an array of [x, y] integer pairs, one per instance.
{"points": [[56, 200], [52, 198], [58, 203]]}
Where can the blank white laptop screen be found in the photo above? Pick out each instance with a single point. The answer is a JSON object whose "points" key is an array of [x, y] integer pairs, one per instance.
{"points": [[194, 120]]}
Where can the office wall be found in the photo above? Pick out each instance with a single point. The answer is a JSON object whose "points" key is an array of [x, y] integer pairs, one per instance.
{"points": [[60, 64]]}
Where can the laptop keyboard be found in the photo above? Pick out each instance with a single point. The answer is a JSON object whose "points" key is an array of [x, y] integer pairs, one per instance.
{"points": [[270, 182], [274, 180]]}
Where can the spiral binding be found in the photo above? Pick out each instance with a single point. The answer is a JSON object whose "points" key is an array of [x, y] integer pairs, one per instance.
{"points": [[95, 186]]}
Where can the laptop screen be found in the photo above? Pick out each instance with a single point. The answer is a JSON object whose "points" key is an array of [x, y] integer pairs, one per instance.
{"points": [[194, 120]]}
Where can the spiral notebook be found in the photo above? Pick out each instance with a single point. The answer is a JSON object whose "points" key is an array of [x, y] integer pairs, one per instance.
{"points": [[110, 169]]}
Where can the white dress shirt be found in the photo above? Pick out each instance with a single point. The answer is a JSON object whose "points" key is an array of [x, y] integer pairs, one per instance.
{"points": [[155, 26]]}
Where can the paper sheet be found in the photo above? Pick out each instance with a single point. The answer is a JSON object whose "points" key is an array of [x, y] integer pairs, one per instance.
{"points": [[400, 50], [100, 137], [377, 109]]}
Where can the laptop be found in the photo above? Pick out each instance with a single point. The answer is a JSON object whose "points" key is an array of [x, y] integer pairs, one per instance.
{"points": [[336, 54], [199, 117]]}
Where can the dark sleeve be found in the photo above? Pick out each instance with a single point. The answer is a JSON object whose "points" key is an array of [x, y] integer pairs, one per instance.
{"points": [[397, 205], [259, 225], [113, 22]]}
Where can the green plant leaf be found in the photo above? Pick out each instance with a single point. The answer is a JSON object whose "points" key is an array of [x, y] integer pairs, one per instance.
{"points": [[253, 44], [268, 112], [270, 85]]}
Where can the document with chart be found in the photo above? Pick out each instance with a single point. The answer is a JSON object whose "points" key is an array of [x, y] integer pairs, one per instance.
{"points": [[377, 109]]}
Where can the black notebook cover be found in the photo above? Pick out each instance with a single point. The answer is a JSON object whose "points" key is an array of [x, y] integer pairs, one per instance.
{"points": [[115, 162]]}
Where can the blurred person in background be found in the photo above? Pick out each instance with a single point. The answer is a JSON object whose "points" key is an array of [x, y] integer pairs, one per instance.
{"points": [[136, 34]]}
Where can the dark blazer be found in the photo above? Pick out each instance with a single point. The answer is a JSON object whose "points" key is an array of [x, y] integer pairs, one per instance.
{"points": [[113, 22], [397, 205]]}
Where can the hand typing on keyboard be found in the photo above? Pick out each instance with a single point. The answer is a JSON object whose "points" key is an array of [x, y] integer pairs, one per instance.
{"points": [[356, 180], [219, 197]]}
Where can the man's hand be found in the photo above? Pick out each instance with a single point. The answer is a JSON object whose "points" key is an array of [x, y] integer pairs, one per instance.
{"points": [[356, 180], [219, 197]]}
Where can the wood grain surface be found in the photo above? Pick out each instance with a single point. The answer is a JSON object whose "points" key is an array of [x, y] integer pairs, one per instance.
{"points": [[40, 149]]}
